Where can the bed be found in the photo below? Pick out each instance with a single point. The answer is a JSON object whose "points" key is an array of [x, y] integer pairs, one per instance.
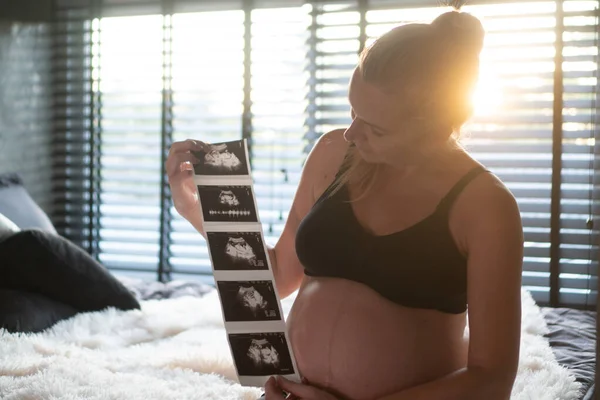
{"points": [[571, 333], [174, 346]]}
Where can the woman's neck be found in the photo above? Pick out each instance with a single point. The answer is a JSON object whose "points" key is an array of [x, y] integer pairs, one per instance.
{"points": [[432, 163]]}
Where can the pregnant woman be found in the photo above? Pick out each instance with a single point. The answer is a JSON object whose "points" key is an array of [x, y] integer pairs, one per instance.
{"points": [[394, 233]]}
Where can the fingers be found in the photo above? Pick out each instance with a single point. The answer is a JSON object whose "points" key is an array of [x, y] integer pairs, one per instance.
{"points": [[297, 389], [272, 391], [175, 161], [293, 396], [187, 146]]}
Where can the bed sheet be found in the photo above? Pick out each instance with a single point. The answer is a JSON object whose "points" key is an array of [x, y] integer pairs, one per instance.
{"points": [[154, 290], [572, 337]]}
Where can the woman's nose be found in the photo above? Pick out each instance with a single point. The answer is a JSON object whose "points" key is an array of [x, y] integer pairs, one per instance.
{"points": [[352, 132]]}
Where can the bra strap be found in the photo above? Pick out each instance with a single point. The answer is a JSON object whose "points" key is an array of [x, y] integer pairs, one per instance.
{"points": [[449, 198]]}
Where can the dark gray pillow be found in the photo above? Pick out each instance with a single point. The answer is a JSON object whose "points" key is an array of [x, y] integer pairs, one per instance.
{"points": [[30, 312], [50, 265], [17, 205]]}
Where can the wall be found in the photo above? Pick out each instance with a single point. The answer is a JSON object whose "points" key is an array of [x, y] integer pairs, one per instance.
{"points": [[25, 101]]}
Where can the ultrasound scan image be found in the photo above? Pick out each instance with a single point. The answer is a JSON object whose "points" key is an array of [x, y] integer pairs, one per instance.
{"points": [[249, 300], [227, 158], [237, 250], [258, 354], [227, 203]]}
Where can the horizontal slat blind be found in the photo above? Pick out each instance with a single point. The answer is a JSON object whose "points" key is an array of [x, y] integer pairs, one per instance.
{"points": [[278, 96], [578, 264], [72, 112], [129, 77], [112, 123], [208, 89], [511, 131], [335, 43]]}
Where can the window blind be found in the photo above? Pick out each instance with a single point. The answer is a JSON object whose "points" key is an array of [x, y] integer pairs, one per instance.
{"points": [[578, 250], [514, 127], [208, 95], [511, 132], [278, 101], [73, 119], [170, 80], [209, 105], [335, 42], [130, 77]]}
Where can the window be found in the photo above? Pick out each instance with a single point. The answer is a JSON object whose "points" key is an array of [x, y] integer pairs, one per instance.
{"points": [[132, 77], [208, 96], [128, 75]]}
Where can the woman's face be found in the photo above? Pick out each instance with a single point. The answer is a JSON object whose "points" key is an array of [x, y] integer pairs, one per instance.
{"points": [[379, 128]]}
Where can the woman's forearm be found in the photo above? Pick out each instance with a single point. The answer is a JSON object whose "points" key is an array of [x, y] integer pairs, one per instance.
{"points": [[286, 285], [464, 384], [272, 254]]}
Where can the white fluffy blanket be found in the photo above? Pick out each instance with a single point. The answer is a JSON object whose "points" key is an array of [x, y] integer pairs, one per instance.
{"points": [[176, 349]]}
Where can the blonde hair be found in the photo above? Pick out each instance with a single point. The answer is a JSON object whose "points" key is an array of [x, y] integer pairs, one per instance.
{"points": [[434, 65]]}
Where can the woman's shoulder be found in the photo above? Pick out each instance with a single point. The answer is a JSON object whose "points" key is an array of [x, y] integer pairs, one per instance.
{"points": [[490, 189], [325, 160], [485, 201], [331, 145], [484, 191]]}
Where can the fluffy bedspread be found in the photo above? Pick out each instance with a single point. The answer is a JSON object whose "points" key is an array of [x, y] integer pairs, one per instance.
{"points": [[177, 349]]}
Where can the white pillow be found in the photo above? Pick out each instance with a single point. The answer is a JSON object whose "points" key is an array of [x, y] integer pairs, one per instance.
{"points": [[7, 227]]}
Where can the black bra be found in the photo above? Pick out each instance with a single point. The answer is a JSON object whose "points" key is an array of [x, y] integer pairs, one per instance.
{"points": [[417, 267]]}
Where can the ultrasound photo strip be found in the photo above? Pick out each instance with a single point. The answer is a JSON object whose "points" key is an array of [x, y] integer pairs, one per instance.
{"points": [[223, 159], [250, 304]]}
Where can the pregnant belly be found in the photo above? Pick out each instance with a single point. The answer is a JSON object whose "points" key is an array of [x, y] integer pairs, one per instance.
{"points": [[353, 342]]}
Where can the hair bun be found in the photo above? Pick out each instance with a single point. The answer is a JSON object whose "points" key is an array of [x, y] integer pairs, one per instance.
{"points": [[456, 4], [462, 28]]}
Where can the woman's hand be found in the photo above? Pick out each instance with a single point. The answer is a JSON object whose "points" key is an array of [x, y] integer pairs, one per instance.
{"points": [[179, 166], [300, 391]]}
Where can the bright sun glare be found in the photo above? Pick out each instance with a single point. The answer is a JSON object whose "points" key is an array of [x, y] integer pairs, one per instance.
{"points": [[488, 95]]}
